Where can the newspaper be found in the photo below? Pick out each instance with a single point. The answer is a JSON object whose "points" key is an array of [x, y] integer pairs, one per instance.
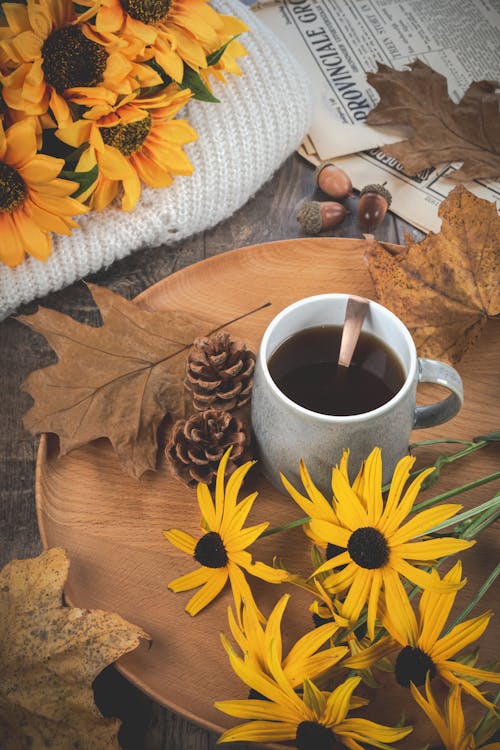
{"points": [[339, 41]]}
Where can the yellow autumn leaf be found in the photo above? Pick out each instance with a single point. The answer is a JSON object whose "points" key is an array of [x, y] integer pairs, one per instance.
{"points": [[49, 656]]}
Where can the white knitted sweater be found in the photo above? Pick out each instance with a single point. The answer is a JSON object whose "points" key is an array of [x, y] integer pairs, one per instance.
{"points": [[260, 120]]}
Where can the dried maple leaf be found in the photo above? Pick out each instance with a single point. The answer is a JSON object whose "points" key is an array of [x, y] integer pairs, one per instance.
{"points": [[116, 381], [444, 131], [446, 286], [49, 656]]}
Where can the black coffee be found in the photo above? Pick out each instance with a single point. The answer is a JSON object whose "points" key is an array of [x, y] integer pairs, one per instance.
{"points": [[304, 367]]}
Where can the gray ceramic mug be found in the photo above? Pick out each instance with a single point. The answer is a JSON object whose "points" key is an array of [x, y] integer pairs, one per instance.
{"points": [[286, 432]]}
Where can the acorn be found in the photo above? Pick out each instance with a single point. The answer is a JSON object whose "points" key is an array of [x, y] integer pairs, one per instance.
{"points": [[332, 180], [374, 200], [315, 217]]}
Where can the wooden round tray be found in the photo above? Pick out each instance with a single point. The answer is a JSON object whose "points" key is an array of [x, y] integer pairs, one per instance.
{"points": [[111, 525]]}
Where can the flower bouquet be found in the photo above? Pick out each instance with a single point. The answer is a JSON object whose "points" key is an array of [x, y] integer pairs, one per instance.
{"points": [[88, 100]]}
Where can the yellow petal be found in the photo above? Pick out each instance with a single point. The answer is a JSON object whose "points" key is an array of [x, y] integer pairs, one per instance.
{"points": [[339, 700], [431, 549], [460, 636], [182, 540], [213, 587], [191, 580], [399, 611], [422, 522]]}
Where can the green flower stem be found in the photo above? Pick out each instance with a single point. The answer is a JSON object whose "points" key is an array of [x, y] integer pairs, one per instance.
{"points": [[438, 442], [482, 591], [285, 527], [455, 491], [479, 524], [493, 503]]}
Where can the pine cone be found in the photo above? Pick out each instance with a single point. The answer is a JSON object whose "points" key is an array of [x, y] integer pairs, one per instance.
{"points": [[197, 445], [219, 372]]}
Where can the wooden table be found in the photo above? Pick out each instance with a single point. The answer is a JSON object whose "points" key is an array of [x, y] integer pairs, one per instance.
{"points": [[270, 215]]}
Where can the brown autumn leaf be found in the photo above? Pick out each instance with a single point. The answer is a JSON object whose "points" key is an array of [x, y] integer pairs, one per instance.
{"points": [[116, 381], [49, 656], [444, 131], [445, 287]]}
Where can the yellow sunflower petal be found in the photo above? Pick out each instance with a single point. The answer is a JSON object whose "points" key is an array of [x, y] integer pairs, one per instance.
{"points": [[191, 580], [422, 522], [372, 487], [313, 699], [373, 601], [254, 709], [35, 241], [460, 636], [399, 611], [330, 532], [11, 247], [113, 164], [403, 508], [219, 489], [260, 731], [240, 515], [206, 505], [485, 675], [369, 656], [348, 507], [21, 143], [41, 169], [423, 579], [233, 487], [309, 643], [16, 16], [242, 593], [339, 701], [434, 609], [431, 709], [208, 592], [182, 540], [449, 677], [374, 733], [432, 549], [131, 192], [358, 595]]}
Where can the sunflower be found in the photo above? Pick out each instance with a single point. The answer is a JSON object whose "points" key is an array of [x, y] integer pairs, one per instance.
{"points": [[56, 60], [136, 140], [314, 721], [423, 653], [33, 200], [176, 32], [450, 725], [371, 542], [304, 658], [222, 550]]}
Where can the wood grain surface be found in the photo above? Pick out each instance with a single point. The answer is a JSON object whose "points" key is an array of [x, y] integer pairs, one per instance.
{"points": [[111, 524], [270, 215]]}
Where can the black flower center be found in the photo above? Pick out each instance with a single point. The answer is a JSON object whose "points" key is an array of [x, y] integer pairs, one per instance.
{"points": [[210, 551], [127, 138], [412, 665], [147, 11], [314, 736], [12, 188], [368, 548], [70, 59]]}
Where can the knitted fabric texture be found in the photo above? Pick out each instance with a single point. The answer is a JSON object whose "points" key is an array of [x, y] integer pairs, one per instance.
{"points": [[260, 120]]}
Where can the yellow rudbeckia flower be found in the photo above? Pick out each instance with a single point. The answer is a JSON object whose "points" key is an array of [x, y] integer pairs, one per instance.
{"points": [[305, 659], [450, 724], [314, 720], [369, 539], [33, 200], [222, 550], [423, 651]]}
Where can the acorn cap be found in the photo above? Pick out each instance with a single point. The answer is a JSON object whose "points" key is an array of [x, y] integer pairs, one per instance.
{"points": [[320, 168], [309, 216], [380, 189]]}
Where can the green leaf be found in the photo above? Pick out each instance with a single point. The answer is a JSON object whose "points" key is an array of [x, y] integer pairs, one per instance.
{"points": [[491, 437], [214, 57], [158, 69], [193, 81], [84, 179]]}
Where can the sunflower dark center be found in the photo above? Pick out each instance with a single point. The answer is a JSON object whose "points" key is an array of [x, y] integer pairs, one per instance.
{"points": [[210, 551], [368, 548], [147, 11], [12, 188], [127, 138], [314, 736], [70, 59], [412, 665]]}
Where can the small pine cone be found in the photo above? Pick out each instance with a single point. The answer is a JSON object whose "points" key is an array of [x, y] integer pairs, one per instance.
{"points": [[197, 445], [219, 372]]}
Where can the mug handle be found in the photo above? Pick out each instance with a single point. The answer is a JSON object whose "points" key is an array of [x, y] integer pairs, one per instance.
{"points": [[432, 371]]}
